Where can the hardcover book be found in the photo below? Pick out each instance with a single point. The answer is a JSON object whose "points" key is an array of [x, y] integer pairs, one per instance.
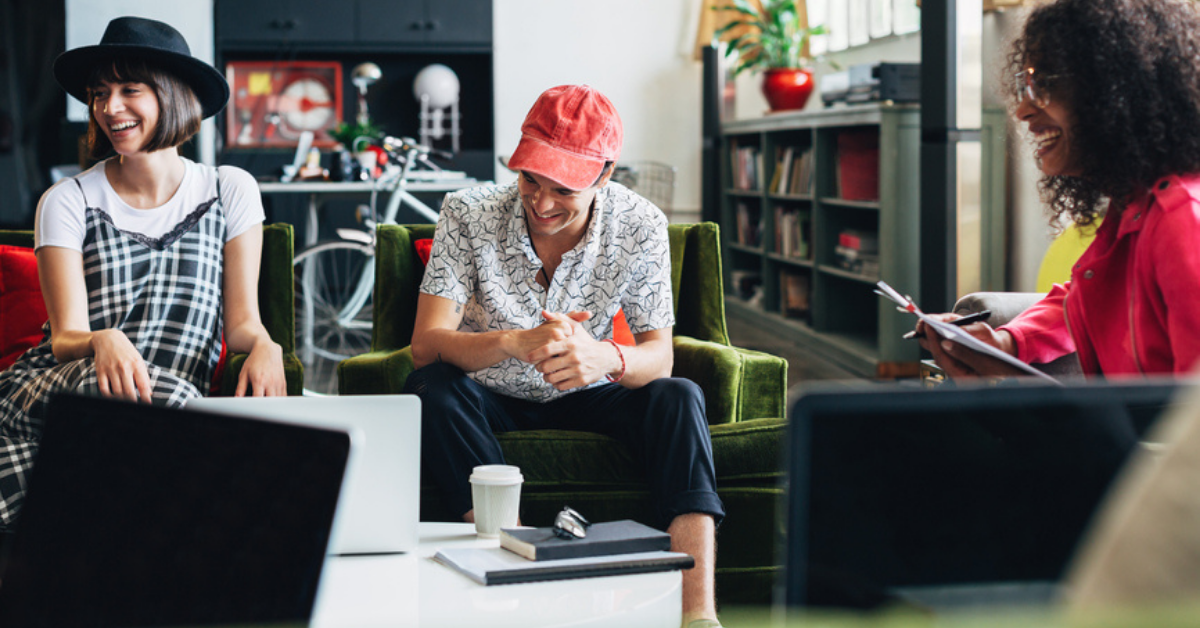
{"points": [[614, 537]]}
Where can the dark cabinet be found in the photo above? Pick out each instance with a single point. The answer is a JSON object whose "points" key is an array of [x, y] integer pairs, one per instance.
{"points": [[463, 22], [279, 21], [354, 24]]}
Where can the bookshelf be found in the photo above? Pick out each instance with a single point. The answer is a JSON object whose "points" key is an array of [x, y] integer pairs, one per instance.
{"points": [[815, 208]]}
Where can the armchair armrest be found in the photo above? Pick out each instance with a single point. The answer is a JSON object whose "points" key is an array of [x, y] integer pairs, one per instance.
{"points": [[293, 372], [375, 373], [738, 384], [1005, 306], [276, 303]]}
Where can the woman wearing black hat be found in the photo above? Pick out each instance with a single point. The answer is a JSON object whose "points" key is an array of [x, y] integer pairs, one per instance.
{"points": [[147, 258]]}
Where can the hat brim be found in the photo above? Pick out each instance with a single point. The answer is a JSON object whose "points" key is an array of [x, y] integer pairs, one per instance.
{"points": [[73, 69], [569, 169]]}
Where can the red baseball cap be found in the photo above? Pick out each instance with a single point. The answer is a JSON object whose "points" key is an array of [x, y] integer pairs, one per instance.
{"points": [[568, 135]]}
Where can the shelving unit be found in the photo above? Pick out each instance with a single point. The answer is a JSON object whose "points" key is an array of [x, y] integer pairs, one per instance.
{"points": [[400, 36], [822, 298]]}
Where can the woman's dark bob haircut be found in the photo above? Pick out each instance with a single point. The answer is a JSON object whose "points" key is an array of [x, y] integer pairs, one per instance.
{"points": [[179, 113], [1129, 75]]}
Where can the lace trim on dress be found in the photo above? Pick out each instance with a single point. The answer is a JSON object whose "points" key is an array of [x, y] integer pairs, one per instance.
{"points": [[168, 238]]}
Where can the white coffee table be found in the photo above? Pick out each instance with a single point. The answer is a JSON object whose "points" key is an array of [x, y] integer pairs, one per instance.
{"points": [[414, 590]]}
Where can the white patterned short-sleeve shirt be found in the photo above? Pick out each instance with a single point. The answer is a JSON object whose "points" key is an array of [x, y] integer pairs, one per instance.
{"points": [[482, 257]]}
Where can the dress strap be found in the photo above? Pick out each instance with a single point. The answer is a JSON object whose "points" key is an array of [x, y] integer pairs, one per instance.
{"points": [[218, 177], [85, 201]]}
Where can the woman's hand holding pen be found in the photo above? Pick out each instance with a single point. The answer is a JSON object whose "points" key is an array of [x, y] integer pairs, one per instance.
{"points": [[959, 361]]}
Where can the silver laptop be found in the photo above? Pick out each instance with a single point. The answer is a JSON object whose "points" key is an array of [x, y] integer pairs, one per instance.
{"points": [[380, 511]]}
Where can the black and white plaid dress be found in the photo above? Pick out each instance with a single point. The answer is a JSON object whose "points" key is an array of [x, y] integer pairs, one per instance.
{"points": [[164, 293]]}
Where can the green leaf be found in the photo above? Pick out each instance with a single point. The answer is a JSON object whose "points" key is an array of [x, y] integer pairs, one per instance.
{"points": [[728, 27]]}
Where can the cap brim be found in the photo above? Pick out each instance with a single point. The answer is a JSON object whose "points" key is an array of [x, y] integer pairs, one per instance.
{"points": [[571, 170], [73, 68]]}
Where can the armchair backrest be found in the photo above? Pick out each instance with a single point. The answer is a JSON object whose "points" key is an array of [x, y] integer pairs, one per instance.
{"points": [[696, 283], [275, 284]]}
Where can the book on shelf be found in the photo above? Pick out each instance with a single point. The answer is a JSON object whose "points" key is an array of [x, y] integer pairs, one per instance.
{"points": [[746, 283], [496, 565], [859, 240], [793, 171], [858, 165], [858, 251], [800, 174], [794, 289], [747, 167], [749, 224], [783, 164], [612, 537], [792, 232]]}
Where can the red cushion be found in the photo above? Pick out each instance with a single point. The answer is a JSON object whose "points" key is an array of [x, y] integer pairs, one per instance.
{"points": [[22, 310], [621, 333], [424, 246]]}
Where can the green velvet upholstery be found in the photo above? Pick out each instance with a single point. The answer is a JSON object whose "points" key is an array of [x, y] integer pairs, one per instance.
{"points": [[275, 303], [738, 383], [595, 474]]}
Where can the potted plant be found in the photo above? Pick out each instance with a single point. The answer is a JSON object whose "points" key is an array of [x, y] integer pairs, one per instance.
{"points": [[769, 36]]}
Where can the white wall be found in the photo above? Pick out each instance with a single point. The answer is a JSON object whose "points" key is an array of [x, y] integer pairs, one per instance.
{"points": [[631, 50], [87, 19]]}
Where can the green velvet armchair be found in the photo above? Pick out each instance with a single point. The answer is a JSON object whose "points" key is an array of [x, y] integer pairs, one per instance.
{"points": [[275, 303], [745, 391]]}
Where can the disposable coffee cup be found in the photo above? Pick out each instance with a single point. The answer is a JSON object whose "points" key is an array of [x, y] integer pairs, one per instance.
{"points": [[496, 497]]}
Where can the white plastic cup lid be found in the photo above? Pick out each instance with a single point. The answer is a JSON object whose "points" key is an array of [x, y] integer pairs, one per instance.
{"points": [[497, 474]]}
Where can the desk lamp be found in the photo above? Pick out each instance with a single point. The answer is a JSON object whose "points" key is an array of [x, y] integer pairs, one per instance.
{"points": [[364, 75], [437, 88]]}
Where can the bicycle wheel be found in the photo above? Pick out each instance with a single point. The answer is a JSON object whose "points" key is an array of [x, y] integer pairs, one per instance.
{"points": [[333, 282]]}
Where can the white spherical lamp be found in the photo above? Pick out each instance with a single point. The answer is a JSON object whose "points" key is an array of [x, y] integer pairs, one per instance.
{"points": [[439, 83], [437, 87]]}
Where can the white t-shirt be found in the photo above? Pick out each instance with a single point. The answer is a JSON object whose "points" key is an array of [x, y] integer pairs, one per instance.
{"points": [[62, 220]]}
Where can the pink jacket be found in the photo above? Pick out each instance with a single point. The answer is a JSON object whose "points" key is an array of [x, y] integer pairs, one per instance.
{"points": [[1133, 303]]}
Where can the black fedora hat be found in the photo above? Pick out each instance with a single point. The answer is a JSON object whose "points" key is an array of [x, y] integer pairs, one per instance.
{"points": [[149, 39]]}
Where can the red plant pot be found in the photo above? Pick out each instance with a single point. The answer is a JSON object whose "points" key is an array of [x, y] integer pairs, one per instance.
{"points": [[787, 88]]}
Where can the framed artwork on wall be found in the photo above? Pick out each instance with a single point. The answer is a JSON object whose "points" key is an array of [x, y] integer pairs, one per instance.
{"points": [[273, 102]]}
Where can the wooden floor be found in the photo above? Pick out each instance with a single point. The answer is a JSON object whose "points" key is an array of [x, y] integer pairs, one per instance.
{"points": [[806, 369]]}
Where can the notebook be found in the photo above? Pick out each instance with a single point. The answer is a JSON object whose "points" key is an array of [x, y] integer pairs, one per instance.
{"points": [[382, 507], [139, 515]]}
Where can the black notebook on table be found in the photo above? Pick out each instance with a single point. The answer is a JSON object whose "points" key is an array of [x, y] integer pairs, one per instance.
{"points": [[613, 537]]}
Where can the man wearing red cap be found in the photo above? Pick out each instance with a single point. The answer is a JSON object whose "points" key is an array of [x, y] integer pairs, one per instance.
{"points": [[515, 316]]}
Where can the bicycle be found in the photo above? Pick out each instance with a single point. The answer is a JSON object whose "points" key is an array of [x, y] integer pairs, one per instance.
{"points": [[334, 279]]}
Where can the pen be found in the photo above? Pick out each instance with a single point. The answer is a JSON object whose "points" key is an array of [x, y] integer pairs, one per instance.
{"points": [[960, 322]]}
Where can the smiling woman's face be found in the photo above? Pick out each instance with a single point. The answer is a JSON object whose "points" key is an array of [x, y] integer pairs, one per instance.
{"points": [[1049, 120]]}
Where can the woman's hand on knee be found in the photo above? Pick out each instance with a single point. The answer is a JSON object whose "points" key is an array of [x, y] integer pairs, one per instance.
{"points": [[120, 369], [262, 375]]}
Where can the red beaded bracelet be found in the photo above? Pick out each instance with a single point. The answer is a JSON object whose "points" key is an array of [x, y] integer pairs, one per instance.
{"points": [[619, 355]]}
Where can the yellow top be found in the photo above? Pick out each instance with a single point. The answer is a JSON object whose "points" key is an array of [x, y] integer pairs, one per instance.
{"points": [[1063, 253]]}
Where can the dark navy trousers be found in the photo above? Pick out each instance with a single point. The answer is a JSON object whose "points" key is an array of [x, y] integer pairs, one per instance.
{"points": [[663, 423]]}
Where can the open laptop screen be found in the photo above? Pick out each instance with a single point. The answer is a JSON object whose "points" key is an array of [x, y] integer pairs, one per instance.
{"points": [[917, 494], [139, 515]]}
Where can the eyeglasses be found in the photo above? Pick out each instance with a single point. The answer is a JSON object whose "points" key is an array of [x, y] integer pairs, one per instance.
{"points": [[569, 524], [1028, 84]]}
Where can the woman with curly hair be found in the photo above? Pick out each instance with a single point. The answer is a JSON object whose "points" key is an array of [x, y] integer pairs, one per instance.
{"points": [[1110, 93]]}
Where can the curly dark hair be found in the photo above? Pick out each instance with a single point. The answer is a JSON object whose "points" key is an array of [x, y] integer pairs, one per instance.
{"points": [[1130, 74]]}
